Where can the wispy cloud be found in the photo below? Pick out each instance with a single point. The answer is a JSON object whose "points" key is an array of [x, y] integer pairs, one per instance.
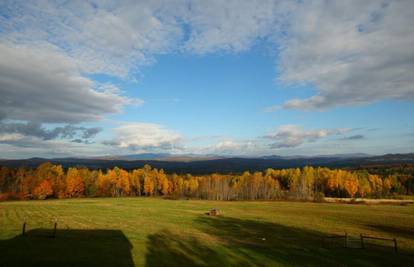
{"points": [[354, 137], [272, 108], [37, 130], [233, 26], [289, 136]]}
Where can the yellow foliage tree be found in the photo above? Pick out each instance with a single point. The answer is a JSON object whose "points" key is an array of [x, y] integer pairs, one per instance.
{"points": [[74, 183]]}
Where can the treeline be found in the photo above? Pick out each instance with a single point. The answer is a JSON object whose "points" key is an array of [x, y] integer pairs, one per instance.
{"points": [[52, 181]]}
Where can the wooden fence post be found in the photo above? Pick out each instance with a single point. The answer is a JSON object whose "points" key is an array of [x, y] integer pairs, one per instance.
{"points": [[346, 239], [362, 241], [54, 228], [24, 228], [395, 245]]}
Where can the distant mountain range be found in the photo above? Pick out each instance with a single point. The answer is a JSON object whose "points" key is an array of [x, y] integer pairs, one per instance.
{"points": [[196, 164], [161, 156], [196, 157]]}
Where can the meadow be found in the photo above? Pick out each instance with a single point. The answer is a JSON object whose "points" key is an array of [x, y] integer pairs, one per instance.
{"points": [[159, 232]]}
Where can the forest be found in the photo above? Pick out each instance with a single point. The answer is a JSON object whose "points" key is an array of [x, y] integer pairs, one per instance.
{"points": [[308, 183]]}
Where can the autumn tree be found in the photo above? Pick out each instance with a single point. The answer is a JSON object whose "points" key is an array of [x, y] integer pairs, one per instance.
{"points": [[49, 180], [123, 186], [351, 185], [103, 184], [376, 184], [74, 183], [136, 179], [364, 188], [149, 183], [89, 179], [43, 190]]}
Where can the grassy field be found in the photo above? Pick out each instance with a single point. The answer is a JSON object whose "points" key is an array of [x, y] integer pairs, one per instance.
{"points": [[157, 232]]}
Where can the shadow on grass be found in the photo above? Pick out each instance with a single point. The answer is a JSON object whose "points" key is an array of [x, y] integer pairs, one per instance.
{"points": [[235, 242], [75, 248], [405, 232]]}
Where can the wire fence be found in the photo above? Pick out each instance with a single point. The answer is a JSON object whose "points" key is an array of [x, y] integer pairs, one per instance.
{"points": [[358, 242]]}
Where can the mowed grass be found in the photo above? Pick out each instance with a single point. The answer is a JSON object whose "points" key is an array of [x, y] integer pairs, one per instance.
{"points": [[158, 232]]}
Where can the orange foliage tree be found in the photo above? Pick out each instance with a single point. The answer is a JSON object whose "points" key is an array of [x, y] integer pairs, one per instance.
{"points": [[43, 190], [48, 180], [74, 183]]}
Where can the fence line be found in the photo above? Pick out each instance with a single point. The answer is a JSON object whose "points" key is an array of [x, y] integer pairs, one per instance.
{"points": [[345, 236], [380, 238], [361, 240]]}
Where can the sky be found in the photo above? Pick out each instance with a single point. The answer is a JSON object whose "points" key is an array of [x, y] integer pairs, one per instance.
{"points": [[217, 77]]}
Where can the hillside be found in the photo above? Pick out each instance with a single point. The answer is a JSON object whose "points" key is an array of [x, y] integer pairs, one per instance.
{"points": [[221, 165]]}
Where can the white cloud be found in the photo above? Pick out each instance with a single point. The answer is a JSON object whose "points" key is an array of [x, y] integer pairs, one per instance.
{"points": [[37, 130], [21, 146], [10, 137], [235, 147], [233, 25], [43, 85], [115, 37], [228, 146], [102, 37], [353, 52], [287, 136], [145, 137]]}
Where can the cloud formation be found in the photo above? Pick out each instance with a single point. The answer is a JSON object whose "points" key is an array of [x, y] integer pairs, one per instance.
{"points": [[114, 37], [354, 137], [42, 85], [234, 25], [36, 130], [231, 147], [108, 37], [145, 137], [289, 136], [353, 52], [21, 146]]}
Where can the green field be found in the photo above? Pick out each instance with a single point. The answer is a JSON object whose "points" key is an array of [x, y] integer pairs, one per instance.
{"points": [[158, 232]]}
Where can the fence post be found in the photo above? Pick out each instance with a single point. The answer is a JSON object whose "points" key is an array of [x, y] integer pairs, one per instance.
{"points": [[24, 228], [346, 239], [362, 241], [395, 245], [54, 228]]}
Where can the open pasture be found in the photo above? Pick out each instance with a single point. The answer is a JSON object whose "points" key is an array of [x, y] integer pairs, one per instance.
{"points": [[158, 232]]}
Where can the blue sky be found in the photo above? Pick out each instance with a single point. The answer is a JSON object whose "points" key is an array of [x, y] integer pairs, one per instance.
{"points": [[229, 78]]}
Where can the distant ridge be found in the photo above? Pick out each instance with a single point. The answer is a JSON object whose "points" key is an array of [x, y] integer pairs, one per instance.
{"points": [[197, 157], [181, 163], [161, 156], [143, 156]]}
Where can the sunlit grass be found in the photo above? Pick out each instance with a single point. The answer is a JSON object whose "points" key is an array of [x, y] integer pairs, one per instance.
{"points": [[248, 233]]}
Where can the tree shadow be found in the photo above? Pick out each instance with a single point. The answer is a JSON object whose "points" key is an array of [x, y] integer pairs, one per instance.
{"points": [[75, 248], [235, 242]]}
